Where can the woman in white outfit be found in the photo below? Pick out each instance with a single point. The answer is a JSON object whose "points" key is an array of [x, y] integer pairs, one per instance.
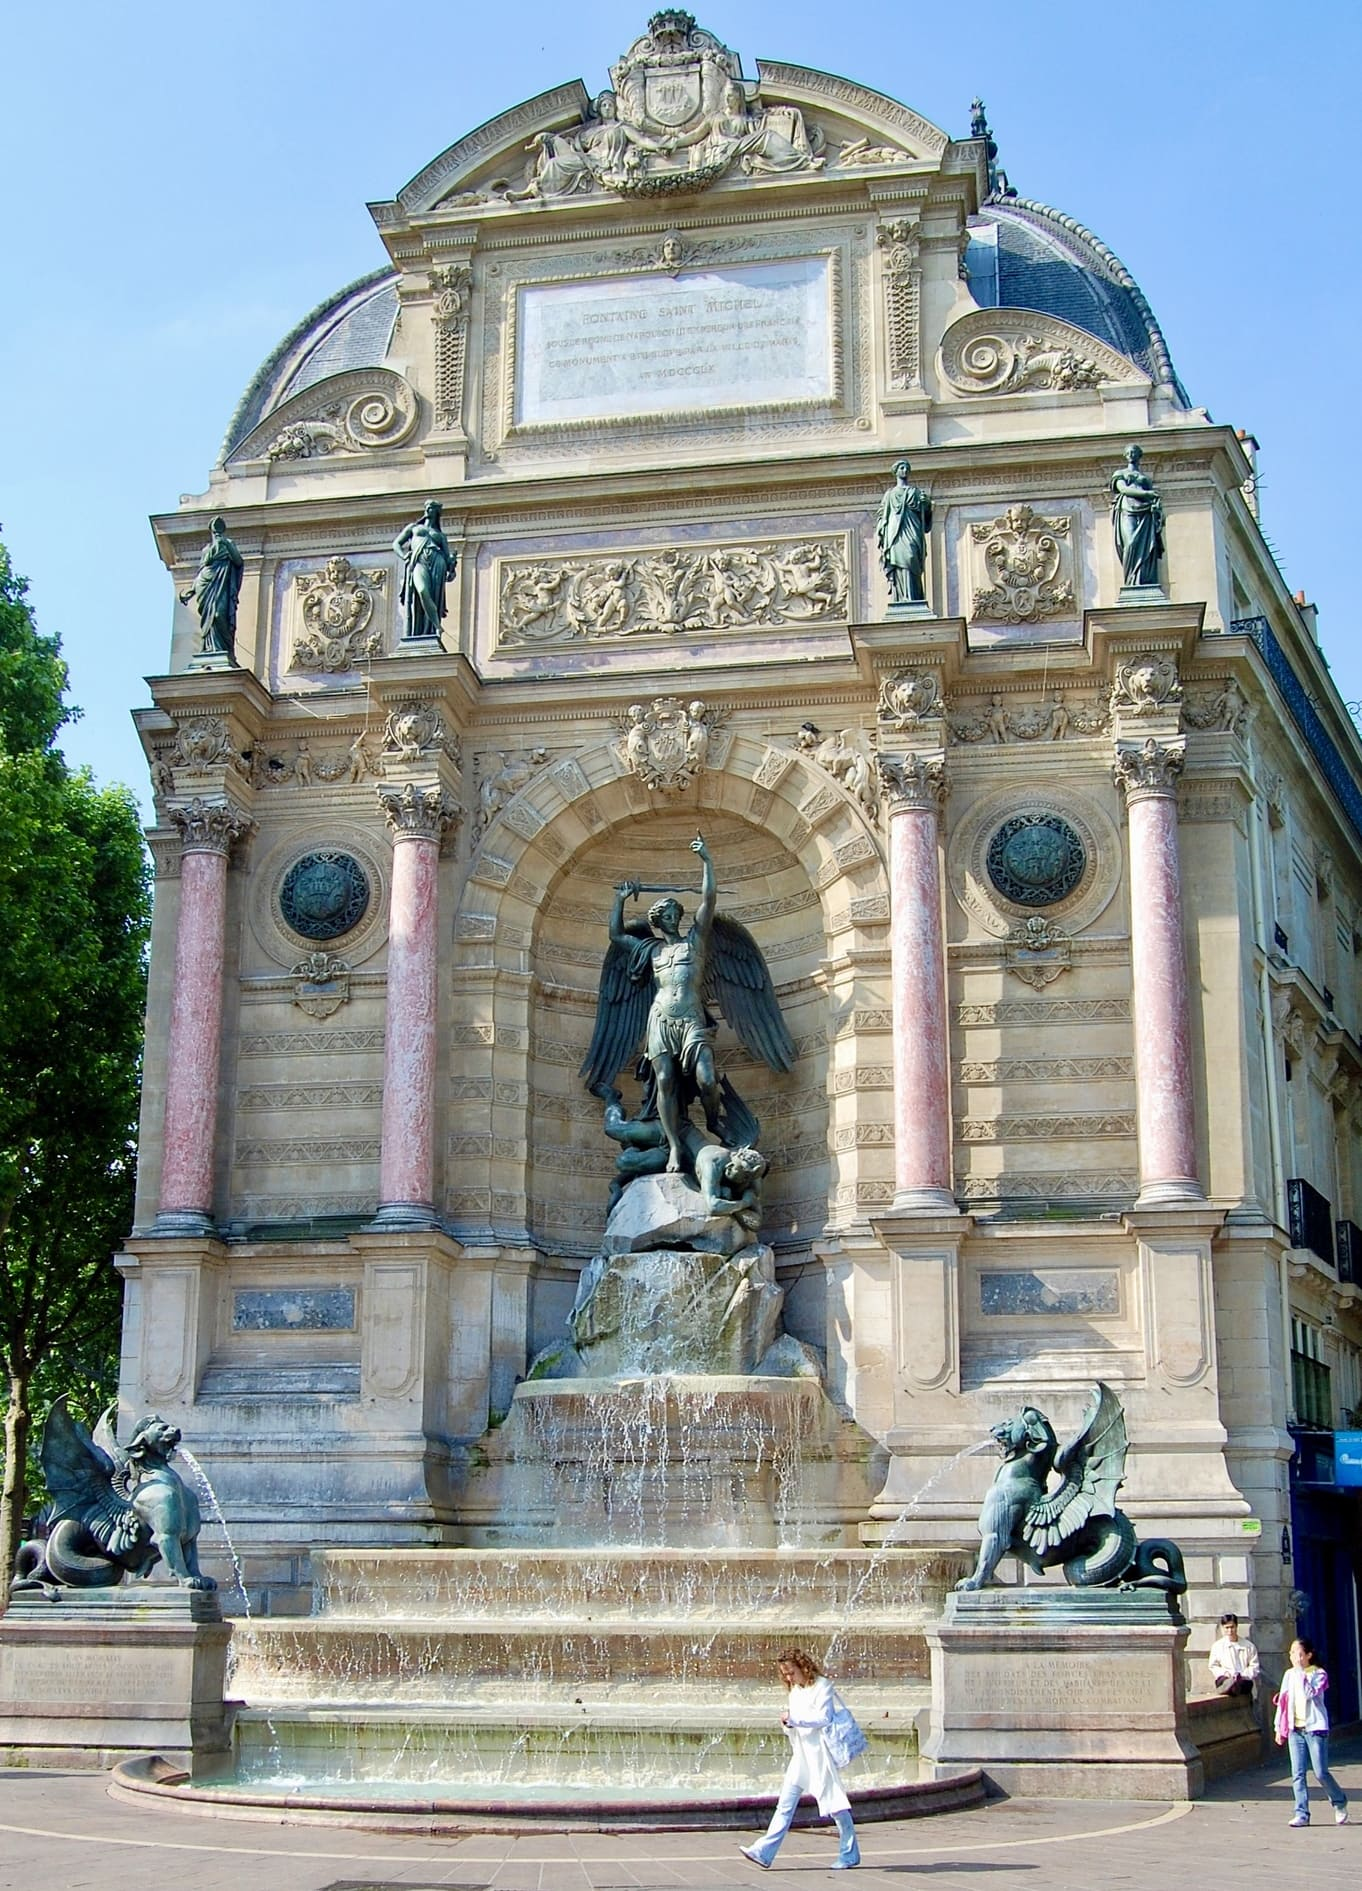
{"points": [[808, 1710]]}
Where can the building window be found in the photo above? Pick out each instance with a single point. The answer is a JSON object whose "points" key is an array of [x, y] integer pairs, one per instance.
{"points": [[1311, 1396]]}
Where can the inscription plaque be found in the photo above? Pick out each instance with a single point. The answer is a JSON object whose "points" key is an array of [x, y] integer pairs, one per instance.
{"points": [[748, 335], [1050, 1291]]}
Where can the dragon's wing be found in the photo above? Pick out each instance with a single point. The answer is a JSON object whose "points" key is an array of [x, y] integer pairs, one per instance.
{"points": [[626, 993], [739, 983], [106, 1442], [1093, 1465], [80, 1478], [742, 1127]]}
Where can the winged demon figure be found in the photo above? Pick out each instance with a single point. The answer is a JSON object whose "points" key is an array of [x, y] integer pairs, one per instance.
{"points": [[657, 984], [1077, 1523], [115, 1512]]}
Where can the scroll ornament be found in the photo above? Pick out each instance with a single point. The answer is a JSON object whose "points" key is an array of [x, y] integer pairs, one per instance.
{"points": [[362, 410], [1017, 351]]}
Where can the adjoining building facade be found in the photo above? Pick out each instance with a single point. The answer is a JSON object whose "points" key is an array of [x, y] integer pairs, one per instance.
{"points": [[1059, 878]]}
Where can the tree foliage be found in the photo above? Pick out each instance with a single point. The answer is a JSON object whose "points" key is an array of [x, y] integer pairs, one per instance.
{"points": [[74, 917]]}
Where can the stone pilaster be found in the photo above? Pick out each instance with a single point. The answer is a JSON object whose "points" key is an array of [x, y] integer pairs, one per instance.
{"points": [[208, 832], [1147, 775]]}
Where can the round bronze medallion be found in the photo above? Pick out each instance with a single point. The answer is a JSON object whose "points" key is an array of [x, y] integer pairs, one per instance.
{"points": [[1035, 859], [324, 895]]}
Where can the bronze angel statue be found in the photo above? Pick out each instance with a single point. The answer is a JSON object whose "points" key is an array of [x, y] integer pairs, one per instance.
{"points": [[1077, 1524], [657, 986], [114, 1512]]}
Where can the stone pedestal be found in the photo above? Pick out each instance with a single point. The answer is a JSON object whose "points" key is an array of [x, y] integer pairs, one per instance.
{"points": [[94, 1678], [1063, 1693]]}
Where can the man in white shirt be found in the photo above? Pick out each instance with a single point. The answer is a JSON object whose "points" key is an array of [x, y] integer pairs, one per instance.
{"points": [[1234, 1663]]}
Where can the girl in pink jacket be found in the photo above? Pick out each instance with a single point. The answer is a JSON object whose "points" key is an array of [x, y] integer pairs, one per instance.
{"points": [[1303, 1726]]}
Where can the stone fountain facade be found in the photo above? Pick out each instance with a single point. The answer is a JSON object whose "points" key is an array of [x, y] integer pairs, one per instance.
{"points": [[1012, 857]]}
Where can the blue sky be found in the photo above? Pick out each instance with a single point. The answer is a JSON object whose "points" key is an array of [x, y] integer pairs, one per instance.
{"points": [[186, 182]]}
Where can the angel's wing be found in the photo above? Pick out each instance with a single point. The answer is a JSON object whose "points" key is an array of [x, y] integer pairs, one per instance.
{"points": [[1093, 1464], [80, 1478], [739, 983], [622, 1005]]}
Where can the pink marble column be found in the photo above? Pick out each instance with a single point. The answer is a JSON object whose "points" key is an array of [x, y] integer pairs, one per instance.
{"points": [[1163, 1039], [418, 819], [208, 834], [915, 788]]}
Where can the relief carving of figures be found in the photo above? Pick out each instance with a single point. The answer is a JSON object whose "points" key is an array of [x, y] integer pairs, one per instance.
{"points": [[338, 608], [667, 746], [428, 565], [662, 593], [901, 529], [679, 117], [1023, 556], [907, 696], [844, 759], [215, 592], [1147, 686], [1226, 709], [502, 778], [415, 728], [1038, 951], [860, 154], [1137, 522], [1052, 719], [1016, 351]]}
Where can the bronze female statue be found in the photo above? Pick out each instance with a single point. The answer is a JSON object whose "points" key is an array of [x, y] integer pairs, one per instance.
{"points": [[428, 564], [1137, 521], [905, 519]]}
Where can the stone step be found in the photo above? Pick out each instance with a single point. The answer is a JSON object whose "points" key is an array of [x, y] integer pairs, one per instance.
{"points": [[347, 1659], [784, 1586]]}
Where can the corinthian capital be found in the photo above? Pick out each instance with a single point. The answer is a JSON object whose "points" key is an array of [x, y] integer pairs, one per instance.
{"points": [[210, 827], [1151, 769], [913, 781], [419, 813]]}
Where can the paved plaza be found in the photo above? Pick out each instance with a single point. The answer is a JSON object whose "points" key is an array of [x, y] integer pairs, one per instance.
{"points": [[63, 1832]]}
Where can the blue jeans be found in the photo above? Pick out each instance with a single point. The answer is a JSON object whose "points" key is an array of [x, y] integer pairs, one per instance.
{"points": [[1314, 1748], [782, 1818]]}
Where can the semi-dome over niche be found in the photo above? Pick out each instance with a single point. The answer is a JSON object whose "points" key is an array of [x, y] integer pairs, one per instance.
{"points": [[352, 329], [1025, 255], [680, 125]]}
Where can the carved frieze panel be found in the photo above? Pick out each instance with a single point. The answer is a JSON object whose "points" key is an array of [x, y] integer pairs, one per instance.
{"points": [[670, 591], [364, 410], [1052, 718], [1018, 351]]}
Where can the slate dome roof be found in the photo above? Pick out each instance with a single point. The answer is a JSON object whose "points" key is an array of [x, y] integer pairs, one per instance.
{"points": [[352, 329], [1026, 255]]}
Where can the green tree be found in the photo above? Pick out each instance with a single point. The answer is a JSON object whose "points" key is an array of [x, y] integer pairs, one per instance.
{"points": [[74, 919]]}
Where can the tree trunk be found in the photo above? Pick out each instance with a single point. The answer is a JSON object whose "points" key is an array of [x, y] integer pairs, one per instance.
{"points": [[14, 1489]]}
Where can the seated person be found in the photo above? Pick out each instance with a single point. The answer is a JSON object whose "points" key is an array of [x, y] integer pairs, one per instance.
{"points": [[1234, 1663]]}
